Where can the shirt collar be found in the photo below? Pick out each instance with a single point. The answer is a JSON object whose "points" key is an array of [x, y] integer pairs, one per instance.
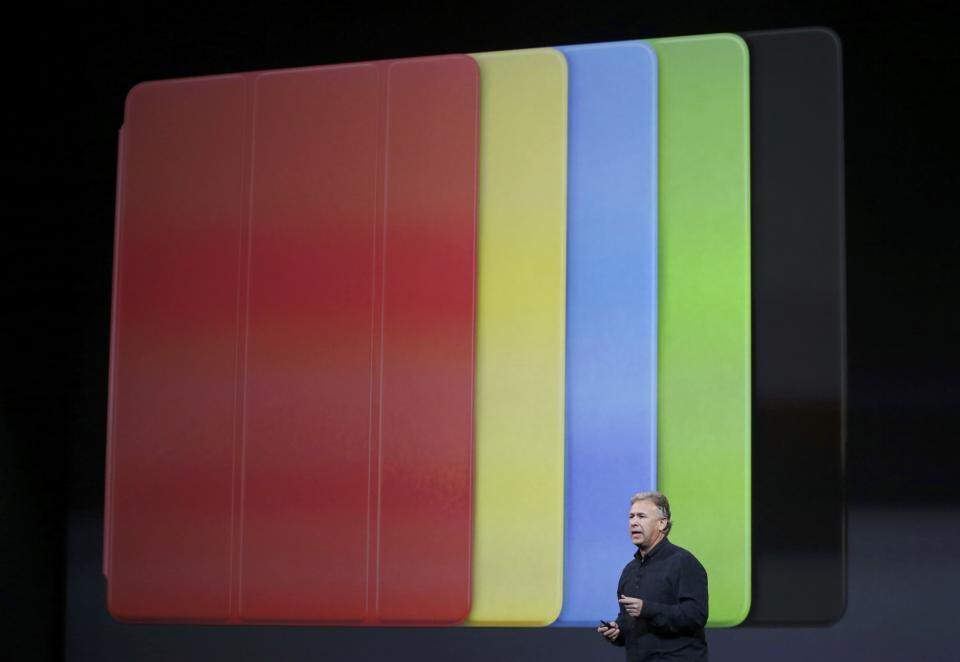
{"points": [[660, 545]]}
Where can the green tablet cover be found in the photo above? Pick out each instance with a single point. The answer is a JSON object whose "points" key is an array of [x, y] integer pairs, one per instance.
{"points": [[704, 357]]}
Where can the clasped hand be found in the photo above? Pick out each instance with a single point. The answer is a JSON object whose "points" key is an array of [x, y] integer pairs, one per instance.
{"points": [[632, 606]]}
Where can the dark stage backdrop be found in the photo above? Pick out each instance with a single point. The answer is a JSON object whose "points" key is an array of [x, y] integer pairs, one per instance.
{"points": [[67, 75]]}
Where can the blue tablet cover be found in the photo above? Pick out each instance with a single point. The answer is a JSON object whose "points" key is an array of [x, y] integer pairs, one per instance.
{"points": [[611, 394]]}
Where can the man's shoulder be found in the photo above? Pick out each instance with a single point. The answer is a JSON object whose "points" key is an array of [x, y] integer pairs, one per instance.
{"points": [[682, 554]]}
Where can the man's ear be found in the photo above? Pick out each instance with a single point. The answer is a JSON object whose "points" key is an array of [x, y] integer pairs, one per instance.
{"points": [[662, 525]]}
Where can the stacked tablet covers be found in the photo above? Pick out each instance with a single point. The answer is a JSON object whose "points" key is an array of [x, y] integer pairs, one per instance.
{"points": [[394, 342]]}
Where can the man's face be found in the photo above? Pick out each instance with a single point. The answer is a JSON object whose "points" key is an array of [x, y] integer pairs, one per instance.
{"points": [[645, 524]]}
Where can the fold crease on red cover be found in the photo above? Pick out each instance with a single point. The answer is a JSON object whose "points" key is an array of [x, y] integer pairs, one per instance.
{"points": [[291, 409]]}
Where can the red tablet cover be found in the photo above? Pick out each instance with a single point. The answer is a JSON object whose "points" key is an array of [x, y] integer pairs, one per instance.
{"points": [[291, 417]]}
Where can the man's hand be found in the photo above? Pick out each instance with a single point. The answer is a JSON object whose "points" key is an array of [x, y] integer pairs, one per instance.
{"points": [[610, 633], [632, 606]]}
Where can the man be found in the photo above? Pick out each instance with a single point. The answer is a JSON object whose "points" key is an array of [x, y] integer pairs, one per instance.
{"points": [[662, 592]]}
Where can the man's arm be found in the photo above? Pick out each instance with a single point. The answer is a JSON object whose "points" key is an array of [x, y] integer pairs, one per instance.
{"points": [[690, 614]]}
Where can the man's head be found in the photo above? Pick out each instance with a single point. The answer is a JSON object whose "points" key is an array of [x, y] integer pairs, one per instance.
{"points": [[649, 519]]}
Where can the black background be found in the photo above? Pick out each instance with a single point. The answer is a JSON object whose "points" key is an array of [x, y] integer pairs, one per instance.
{"points": [[66, 78]]}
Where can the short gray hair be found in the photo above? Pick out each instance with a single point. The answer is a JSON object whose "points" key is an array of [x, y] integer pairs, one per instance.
{"points": [[658, 500]]}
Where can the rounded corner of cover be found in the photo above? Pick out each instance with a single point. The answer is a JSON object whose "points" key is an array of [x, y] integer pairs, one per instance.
{"points": [[118, 611], [734, 40], [553, 615], [830, 37], [132, 99], [461, 614], [470, 62], [840, 610], [644, 47], [733, 619], [547, 53]]}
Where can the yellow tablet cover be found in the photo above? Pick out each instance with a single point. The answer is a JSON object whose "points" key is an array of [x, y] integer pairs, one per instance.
{"points": [[521, 306]]}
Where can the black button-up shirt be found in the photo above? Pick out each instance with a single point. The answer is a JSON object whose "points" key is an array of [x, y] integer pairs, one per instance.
{"points": [[673, 586]]}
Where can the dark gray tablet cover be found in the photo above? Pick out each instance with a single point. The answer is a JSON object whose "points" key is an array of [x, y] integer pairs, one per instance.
{"points": [[799, 363]]}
